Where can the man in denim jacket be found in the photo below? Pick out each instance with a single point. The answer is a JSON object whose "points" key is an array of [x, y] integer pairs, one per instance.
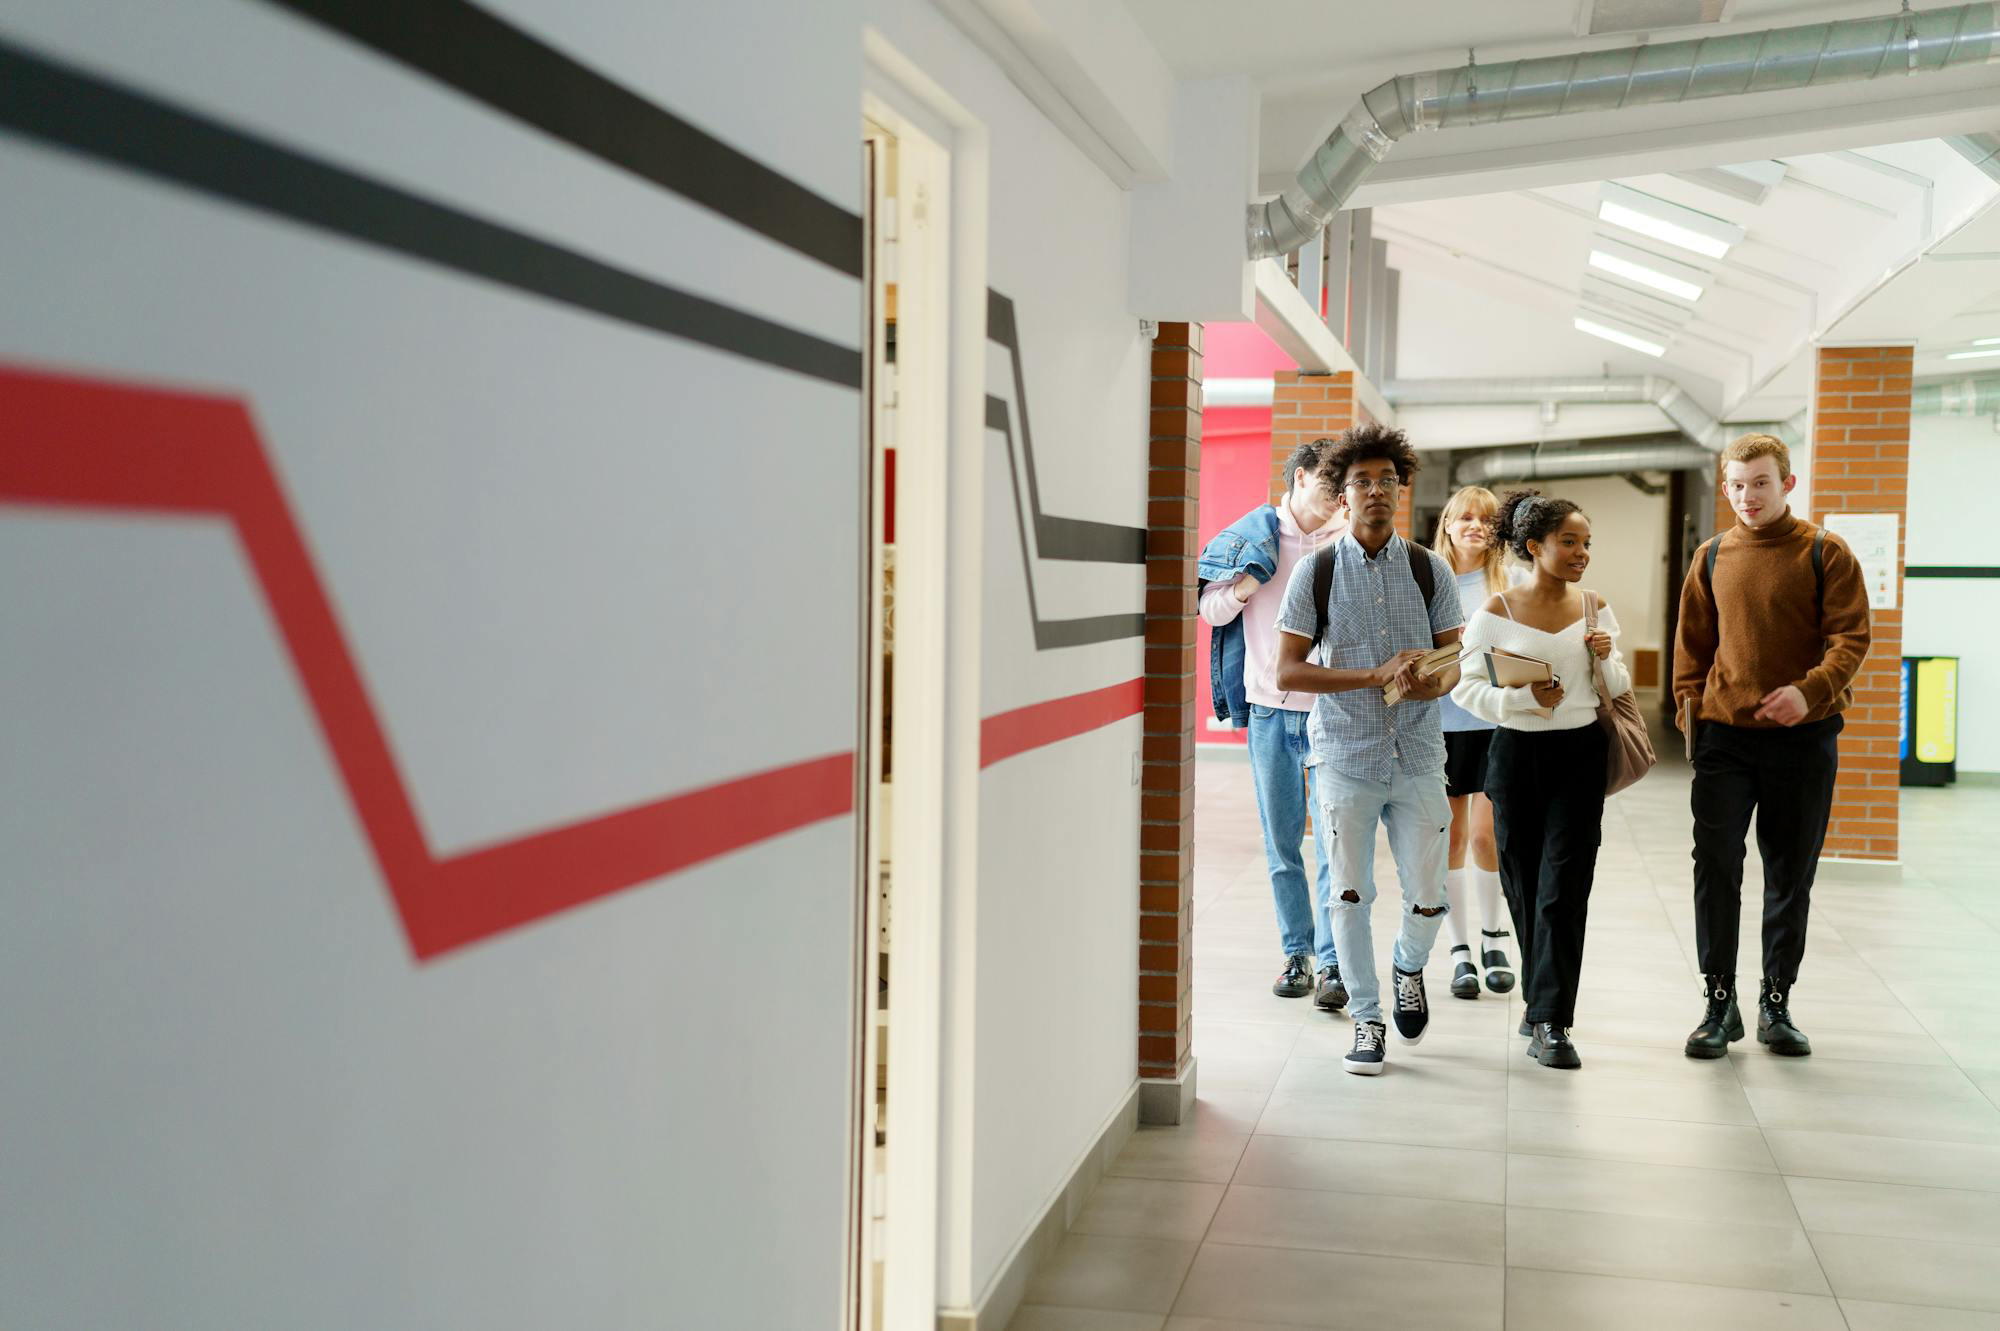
{"points": [[1243, 573]]}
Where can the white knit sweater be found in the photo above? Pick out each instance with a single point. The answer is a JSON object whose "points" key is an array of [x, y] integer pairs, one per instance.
{"points": [[1516, 708]]}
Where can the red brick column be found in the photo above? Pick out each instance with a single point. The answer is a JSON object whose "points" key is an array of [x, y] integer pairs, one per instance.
{"points": [[1305, 407], [1166, 806], [1861, 464]]}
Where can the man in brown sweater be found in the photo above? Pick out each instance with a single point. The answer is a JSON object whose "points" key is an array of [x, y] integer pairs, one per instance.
{"points": [[1773, 628]]}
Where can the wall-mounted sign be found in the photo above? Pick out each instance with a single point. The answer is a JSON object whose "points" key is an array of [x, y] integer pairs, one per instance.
{"points": [[1872, 538]]}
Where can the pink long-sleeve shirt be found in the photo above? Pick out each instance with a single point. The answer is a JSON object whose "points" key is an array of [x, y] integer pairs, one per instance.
{"points": [[1260, 613]]}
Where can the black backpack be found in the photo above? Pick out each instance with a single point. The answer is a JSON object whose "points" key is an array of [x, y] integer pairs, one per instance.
{"points": [[1420, 569]]}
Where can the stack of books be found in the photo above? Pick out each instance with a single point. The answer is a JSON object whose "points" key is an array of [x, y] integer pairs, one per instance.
{"points": [[1440, 659]]}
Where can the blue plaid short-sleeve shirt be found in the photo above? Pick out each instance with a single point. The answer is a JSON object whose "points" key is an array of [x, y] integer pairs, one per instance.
{"points": [[1374, 611]]}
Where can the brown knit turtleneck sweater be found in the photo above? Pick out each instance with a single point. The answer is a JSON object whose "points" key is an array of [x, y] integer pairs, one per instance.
{"points": [[1761, 630]]}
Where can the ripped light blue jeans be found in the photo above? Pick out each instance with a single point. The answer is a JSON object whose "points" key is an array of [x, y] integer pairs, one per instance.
{"points": [[1418, 817]]}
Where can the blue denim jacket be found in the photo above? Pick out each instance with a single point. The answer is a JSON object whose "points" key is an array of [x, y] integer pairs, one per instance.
{"points": [[1249, 544]]}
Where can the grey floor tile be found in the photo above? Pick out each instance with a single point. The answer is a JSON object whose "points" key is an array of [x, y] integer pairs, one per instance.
{"points": [[1866, 1316], [1619, 1187], [1409, 1123], [1224, 1324], [1938, 1215], [1585, 1092], [1869, 1047], [1841, 1076], [1707, 1251], [1569, 1301], [1351, 1222], [1340, 1290], [1192, 1154], [1655, 1142], [1101, 1271], [1034, 1317], [1877, 1116], [1925, 1164], [1440, 1173], [1433, 1080], [1228, 1110], [1146, 1208], [1949, 1275]]}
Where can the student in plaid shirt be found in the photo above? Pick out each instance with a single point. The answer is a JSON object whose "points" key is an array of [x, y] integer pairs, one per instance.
{"points": [[1374, 764]]}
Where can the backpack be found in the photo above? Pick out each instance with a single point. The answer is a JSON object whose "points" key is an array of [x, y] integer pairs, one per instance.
{"points": [[1819, 569], [1420, 569]]}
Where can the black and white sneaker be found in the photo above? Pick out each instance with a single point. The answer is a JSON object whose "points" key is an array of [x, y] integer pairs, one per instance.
{"points": [[1331, 995], [1413, 1013], [1296, 981], [1464, 975], [1365, 1059], [1499, 971]]}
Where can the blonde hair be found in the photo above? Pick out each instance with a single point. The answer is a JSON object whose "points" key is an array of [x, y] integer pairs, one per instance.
{"points": [[1753, 446], [1479, 498]]}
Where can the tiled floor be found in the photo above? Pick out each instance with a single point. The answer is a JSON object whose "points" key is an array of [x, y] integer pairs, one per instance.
{"points": [[1469, 1188]]}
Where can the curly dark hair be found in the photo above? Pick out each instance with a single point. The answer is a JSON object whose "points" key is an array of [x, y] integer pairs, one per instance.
{"points": [[1369, 443], [1529, 515]]}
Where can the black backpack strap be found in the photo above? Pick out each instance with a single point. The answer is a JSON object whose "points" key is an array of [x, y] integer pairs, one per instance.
{"points": [[1421, 570], [1322, 587], [1708, 565]]}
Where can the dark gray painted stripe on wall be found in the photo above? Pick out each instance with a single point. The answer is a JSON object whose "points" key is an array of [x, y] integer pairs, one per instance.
{"points": [[67, 108], [1950, 571], [494, 62], [1056, 538], [1051, 633]]}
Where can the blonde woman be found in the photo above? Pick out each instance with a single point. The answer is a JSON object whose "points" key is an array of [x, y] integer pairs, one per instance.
{"points": [[1465, 539]]}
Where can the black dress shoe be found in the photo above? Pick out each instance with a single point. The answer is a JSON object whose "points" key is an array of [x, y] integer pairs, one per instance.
{"points": [[1549, 1045], [1296, 980], [1527, 1028], [1464, 975], [1720, 1024], [1499, 971], [1331, 995], [1774, 1022]]}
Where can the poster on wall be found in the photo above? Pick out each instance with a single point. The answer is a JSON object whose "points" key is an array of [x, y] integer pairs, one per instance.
{"points": [[1872, 538]]}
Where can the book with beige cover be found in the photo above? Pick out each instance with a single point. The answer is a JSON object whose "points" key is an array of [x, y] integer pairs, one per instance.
{"points": [[1511, 670], [1438, 660]]}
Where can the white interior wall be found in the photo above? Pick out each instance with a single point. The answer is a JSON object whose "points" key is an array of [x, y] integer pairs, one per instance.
{"points": [[1628, 554], [1954, 469], [1056, 964], [232, 1099]]}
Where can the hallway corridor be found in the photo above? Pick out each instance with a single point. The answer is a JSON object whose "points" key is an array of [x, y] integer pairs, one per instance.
{"points": [[1470, 1188]]}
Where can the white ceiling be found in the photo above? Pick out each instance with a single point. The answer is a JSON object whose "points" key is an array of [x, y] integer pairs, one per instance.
{"points": [[1492, 282]]}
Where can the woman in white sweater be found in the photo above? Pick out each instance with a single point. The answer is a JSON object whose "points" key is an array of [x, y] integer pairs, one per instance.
{"points": [[1545, 771]]}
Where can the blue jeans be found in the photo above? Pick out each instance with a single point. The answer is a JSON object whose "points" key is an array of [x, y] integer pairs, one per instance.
{"points": [[1419, 821], [1278, 751]]}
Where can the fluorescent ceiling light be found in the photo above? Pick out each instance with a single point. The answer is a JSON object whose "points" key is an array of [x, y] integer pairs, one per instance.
{"points": [[1986, 341], [1974, 355], [1705, 235], [1622, 338], [1633, 271]]}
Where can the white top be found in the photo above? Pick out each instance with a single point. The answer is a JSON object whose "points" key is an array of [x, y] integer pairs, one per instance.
{"points": [[1516, 708], [1260, 613]]}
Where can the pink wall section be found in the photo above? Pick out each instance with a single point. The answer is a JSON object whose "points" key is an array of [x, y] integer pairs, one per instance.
{"points": [[1235, 468]]}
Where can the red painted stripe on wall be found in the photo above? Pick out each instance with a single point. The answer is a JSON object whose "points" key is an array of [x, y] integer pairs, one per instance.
{"points": [[1009, 733], [86, 444]]}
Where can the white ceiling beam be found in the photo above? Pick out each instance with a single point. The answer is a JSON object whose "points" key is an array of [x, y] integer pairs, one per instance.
{"points": [[1291, 321]]}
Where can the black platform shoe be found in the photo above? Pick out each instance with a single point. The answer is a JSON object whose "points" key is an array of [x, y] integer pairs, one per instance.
{"points": [[1774, 1022], [1499, 971], [1721, 1023], [1550, 1047], [1464, 975]]}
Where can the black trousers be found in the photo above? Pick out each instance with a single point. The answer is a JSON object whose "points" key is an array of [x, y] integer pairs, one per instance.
{"points": [[1547, 789], [1786, 777]]}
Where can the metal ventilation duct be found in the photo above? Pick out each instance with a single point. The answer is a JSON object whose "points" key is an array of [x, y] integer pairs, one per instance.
{"points": [[1686, 414], [1534, 464], [1973, 395], [1982, 150], [1727, 65]]}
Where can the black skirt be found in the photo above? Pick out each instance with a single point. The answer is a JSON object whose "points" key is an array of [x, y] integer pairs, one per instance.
{"points": [[1465, 762]]}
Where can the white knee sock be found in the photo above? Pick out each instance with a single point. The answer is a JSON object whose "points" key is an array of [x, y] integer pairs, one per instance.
{"points": [[1457, 920], [1493, 914]]}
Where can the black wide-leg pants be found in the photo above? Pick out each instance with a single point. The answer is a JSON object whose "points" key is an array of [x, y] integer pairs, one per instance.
{"points": [[1786, 776], [1547, 788]]}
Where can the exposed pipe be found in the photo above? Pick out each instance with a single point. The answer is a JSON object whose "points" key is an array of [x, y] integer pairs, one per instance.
{"points": [[1687, 415], [1533, 464], [1809, 55], [1971, 395], [1982, 150]]}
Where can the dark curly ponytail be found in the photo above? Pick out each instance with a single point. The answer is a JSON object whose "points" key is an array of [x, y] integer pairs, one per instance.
{"points": [[1529, 515]]}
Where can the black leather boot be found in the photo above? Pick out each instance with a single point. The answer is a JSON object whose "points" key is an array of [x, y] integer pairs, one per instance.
{"points": [[1774, 1022], [1550, 1046], [1721, 1023]]}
